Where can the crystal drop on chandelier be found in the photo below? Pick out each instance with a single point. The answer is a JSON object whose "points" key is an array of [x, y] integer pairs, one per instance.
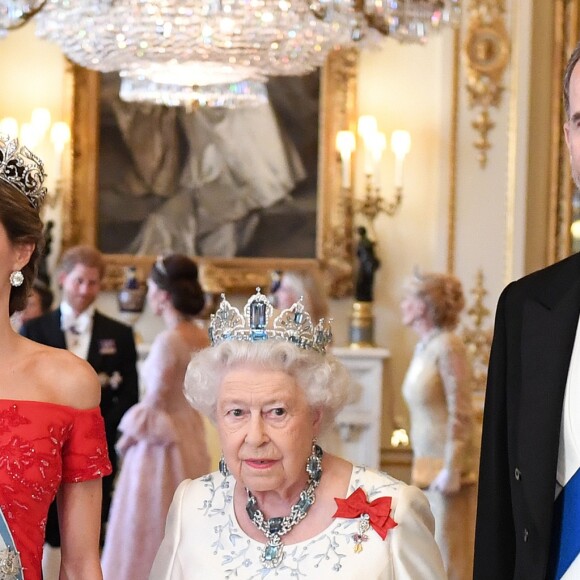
{"points": [[229, 95], [412, 20], [15, 13]]}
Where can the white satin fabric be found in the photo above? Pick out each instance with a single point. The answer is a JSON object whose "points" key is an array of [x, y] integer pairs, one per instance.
{"points": [[204, 540]]}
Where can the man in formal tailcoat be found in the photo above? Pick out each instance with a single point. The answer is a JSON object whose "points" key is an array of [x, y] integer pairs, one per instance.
{"points": [[531, 429], [108, 345]]}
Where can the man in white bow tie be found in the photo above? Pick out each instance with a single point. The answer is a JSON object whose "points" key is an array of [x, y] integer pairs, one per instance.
{"points": [[107, 344]]}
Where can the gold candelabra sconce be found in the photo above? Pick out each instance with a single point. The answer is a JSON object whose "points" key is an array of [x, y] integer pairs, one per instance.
{"points": [[373, 202], [368, 206]]}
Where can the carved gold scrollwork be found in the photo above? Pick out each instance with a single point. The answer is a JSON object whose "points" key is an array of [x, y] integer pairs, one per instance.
{"points": [[478, 335], [566, 35], [337, 251], [486, 55]]}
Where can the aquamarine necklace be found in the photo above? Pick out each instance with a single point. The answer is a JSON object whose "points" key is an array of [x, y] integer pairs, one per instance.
{"points": [[275, 528]]}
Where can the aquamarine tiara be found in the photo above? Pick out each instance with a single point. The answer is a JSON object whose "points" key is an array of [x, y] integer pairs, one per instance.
{"points": [[22, 169], [292, 325]]}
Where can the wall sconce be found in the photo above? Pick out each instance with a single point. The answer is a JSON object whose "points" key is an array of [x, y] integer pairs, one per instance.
{"points": [[34, 135], [399, 438], [374, 143]]}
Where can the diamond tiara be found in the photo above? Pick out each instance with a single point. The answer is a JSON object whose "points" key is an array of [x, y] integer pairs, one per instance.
{"points": [[22, 169], [293, 325]]}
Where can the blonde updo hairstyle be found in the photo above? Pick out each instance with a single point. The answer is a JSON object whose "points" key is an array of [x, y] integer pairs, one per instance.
{"points": [[323, 378], [442, 295]]}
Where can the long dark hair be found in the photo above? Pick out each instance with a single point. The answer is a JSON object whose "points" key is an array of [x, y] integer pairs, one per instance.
{"points": [[23, 225]]}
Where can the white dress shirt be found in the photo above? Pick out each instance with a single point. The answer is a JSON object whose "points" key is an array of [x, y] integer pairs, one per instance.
{"points": [[77, 329]]}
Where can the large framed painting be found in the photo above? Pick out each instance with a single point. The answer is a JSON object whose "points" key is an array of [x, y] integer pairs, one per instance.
{"points": [[245, 191]]}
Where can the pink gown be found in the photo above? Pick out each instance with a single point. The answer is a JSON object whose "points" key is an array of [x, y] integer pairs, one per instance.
{"points": [[162, 443], [41, 445]]}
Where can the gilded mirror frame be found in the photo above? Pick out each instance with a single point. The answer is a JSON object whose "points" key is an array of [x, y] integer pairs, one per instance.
{"points": [[566, 35], [334, 239]]}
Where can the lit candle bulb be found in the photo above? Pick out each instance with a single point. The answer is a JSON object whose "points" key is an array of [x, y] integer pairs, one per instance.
{"points": [[29, 135], [377, 145], [400, 145], [345, 145], [9, 126], [59, 136], [367, 128], [40, 119]]}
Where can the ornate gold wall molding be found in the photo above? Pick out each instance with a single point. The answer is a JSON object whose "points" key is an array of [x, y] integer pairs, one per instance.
{"points": [[478, 334], [486, 56], [337, 246], [566, 34], [453, 139]]}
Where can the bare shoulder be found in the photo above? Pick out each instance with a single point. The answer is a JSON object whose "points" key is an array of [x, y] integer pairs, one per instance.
{"points": [[186, 338], [64, 378]]}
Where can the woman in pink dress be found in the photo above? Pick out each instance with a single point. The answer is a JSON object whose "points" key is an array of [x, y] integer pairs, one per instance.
{"points": [[163, 439], [52, 437]]}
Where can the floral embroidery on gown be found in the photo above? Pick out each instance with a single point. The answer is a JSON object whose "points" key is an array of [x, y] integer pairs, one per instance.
{"points": [[41, 445], [162, 443], [203, 539]]}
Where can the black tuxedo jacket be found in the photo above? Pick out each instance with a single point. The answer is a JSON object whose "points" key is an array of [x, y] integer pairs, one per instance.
{"points": [[111, 349], [535, 328]]}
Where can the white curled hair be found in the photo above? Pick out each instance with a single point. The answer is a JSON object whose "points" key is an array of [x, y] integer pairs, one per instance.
{"points": [[324, 379]]}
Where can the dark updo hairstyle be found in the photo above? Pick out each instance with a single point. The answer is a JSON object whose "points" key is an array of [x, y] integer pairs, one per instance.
{"points": [[177, 275], [23, 225]]}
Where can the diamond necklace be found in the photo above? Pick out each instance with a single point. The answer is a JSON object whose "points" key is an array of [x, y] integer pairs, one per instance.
{"points": [[275, 528]]}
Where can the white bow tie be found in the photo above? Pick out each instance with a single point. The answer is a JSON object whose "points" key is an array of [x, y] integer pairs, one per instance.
{"points": [[75, 324]]}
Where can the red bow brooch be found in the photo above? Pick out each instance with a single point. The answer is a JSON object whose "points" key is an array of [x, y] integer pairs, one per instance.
{"points": [[375, 514]]}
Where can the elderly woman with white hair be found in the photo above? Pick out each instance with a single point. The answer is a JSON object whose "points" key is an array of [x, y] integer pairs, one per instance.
{"points": [[279, 505]]}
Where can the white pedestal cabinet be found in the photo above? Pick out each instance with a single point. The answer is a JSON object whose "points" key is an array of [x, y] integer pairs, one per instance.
{"points": [[356, 434]]}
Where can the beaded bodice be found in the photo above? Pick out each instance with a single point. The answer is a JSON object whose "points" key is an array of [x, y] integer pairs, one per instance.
{"points": [[42, 444]]}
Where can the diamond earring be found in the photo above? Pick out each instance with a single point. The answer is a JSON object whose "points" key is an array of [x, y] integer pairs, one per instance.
{"points": [[16, 278], [223, 466]]}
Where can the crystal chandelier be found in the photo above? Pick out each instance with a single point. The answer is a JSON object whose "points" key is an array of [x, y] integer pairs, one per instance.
{"points": [[243, 93], [16, 13], [193, 84], [271, 37], [411, 20], [172, 50]]}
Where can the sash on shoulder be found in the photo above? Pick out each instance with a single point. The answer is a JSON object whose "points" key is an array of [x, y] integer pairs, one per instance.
{"points": [[10, 565]]}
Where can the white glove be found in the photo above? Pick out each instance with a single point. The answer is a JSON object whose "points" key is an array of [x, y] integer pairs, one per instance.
{"points": [[448, 481]]}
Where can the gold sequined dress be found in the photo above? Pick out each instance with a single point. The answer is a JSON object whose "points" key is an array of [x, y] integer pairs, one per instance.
{"points": [[437, 389]]}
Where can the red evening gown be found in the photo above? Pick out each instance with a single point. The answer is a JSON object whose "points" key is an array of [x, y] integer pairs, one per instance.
{"points": [[42, 444]]}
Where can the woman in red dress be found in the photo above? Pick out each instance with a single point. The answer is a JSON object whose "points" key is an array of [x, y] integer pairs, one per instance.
{"points": [[52, 438]]}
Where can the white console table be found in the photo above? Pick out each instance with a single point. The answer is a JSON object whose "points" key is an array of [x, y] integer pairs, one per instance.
{"points": [[356, 434]]}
